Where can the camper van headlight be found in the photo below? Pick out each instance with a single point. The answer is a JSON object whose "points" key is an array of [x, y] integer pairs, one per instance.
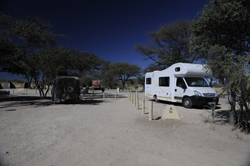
{"points": [[197, 93]]}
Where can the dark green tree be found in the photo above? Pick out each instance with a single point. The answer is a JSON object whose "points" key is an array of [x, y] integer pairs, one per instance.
{"points": [[169, 45], [124, 71], [19, 38], [221, 36], [140, 80], [107, 73]]}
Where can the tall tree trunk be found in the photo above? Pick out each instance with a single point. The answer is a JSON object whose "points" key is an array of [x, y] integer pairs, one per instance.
{"points": [[233, 115]]}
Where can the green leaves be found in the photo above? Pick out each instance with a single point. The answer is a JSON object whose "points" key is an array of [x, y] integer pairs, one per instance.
{"points": [[221, 36], [169, 44], [124, 71]]}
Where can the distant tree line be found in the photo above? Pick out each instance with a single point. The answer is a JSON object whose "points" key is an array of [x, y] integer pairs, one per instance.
{"points": [[219, 36]]}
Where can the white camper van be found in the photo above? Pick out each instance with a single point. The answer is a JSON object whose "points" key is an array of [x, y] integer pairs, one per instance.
{"points": [[181, 82]]}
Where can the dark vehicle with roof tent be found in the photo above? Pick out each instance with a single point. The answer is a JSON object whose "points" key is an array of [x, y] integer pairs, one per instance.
{"points": [[66, 87]]}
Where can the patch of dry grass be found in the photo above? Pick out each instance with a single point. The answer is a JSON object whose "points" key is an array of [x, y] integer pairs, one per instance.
{"points": [[219, 90]]}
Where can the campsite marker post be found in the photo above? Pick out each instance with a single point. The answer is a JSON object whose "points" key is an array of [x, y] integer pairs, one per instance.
{"points": [[137, 99], [150, 110], [143, 106]]}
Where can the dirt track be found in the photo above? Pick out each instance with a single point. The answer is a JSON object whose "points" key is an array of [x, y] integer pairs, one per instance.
{"points": [[113, 132]]}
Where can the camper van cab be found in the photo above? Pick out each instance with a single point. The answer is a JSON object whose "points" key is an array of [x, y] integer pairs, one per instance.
{"points": [[183, 83]]}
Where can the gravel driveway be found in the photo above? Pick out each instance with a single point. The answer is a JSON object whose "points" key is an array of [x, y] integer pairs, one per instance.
{"points": [[112, 131]]}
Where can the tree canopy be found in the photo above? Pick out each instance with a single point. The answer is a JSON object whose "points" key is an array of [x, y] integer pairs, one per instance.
{"points": [[124, 71], [28, 47], [221, 36], [169, 45]]}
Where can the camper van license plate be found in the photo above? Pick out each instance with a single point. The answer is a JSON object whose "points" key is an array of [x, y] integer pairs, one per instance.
{"points": [[211, 103]]}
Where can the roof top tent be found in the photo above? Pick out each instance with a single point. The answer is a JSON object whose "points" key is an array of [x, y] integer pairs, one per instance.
{"points": [[181, 82], [9, 85]]}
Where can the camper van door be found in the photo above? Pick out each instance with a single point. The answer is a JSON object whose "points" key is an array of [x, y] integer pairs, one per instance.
{"points": [[180, 89]]}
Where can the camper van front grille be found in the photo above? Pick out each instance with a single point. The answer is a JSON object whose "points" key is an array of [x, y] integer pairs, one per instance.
{"points": [[209, 94]]}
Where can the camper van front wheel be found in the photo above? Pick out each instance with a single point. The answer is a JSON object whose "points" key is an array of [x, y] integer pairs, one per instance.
{"points": [[187, 102]]}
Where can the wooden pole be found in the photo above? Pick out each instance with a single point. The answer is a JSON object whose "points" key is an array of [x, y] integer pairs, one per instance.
{"points": [[132, 98], [143, 106], [137, 99], [103, 94], [150, 110]]}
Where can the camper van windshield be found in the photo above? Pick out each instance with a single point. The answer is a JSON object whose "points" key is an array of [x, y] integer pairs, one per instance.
{"points": [[196, 82]]}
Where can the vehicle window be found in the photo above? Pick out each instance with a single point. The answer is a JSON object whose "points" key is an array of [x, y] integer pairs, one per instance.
{"points": [[180, 83], [177, 69], [163, 81], [196, 82], [148, 80]]}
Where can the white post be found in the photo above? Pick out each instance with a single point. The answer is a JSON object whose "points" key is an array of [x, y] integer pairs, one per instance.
{"points": [[150, 110], [132, 98], [143, 106], [137, 99]]}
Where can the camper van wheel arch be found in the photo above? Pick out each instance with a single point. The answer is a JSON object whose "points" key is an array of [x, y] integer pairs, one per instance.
{"points": [[155, 98], [187, 102]]}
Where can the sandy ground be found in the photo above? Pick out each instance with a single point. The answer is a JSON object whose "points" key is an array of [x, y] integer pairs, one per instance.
{"points": [[112, 131]]}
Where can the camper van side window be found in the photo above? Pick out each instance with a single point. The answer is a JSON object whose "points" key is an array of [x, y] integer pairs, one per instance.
{"points": [[163, 81], [148, 80]]}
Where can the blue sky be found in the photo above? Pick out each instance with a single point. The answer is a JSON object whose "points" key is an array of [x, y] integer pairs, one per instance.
{"points": [[109, 29]]}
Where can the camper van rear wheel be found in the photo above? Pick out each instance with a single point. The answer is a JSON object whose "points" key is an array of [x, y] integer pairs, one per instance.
{"points": [[155, 97], [187, 102]]}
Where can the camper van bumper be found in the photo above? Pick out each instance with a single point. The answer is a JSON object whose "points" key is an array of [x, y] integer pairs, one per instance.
{"points": [[201, 101]]}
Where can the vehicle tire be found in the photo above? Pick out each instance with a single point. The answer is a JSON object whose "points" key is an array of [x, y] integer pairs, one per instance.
{"points": [[187, 102], [155, 98], [69, 89]]}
